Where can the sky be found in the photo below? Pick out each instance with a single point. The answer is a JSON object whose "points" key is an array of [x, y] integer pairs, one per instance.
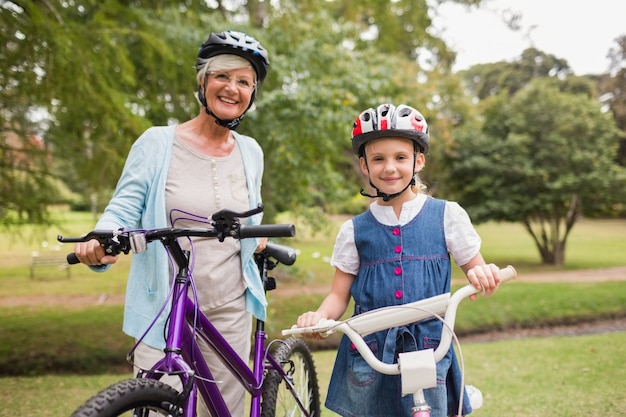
{"points": [[580, 31]]}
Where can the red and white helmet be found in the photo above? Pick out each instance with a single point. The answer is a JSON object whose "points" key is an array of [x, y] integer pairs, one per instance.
{"points": [[390, 121]]}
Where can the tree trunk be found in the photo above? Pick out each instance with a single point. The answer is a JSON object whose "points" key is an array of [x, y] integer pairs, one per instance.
{"points": [[546, 235]]}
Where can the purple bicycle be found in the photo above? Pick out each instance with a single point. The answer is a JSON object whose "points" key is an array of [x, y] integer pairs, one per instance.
{"points": [[281, 381]]}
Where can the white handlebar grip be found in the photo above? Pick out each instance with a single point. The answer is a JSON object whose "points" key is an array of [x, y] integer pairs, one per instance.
{"points": [[323, 327], [507, 273]]}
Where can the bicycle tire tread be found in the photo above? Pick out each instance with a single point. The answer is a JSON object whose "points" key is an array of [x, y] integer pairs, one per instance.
{"points": [[127, 395], [272, 382]]}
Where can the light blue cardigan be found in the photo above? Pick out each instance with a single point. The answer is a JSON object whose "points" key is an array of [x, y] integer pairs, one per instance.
{"points": [[139, 202]]}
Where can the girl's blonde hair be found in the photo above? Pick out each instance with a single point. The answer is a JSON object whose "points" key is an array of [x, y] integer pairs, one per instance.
{"points": [[419, 186]]}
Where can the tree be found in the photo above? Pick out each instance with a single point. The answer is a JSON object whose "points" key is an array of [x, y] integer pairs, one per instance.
{"points": [[103, 71], [612, 88], [485, 80], [543, 158], [308, 105]]}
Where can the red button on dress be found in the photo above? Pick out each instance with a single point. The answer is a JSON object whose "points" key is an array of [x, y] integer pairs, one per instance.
{"points": [[398, 249], [397, 271], [396, 231], [398, 294]]}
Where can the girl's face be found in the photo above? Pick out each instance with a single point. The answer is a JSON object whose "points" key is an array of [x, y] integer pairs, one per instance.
{"points": [[390, 164], [228, 93]]}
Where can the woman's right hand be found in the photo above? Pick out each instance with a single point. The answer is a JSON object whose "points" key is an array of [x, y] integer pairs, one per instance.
{"points": [[92, 253]]}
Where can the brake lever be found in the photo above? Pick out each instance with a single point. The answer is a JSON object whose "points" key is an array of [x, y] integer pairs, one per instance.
{"points": [[113, 241], [226, 222]]}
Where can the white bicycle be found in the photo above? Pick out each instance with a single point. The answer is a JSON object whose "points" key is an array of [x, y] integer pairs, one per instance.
{"points": [[417, 369]]}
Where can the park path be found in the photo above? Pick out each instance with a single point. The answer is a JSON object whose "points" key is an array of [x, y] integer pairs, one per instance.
{"points": [[286, 290]]}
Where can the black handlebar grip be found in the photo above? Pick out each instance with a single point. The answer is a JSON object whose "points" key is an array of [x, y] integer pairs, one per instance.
{"points": [[72, 259], [267, 230], [283, 254]]}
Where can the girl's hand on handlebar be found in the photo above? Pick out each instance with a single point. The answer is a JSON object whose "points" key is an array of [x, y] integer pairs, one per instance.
{"points": [[92, 253], [309, 319], [484, 277]]}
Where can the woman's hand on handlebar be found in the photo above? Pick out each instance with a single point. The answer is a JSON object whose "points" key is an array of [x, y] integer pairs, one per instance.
{"points": [[92, 253], [262, 245]]}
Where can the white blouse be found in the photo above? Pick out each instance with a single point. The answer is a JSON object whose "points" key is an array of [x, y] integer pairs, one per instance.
{"points": [[462, 240]]}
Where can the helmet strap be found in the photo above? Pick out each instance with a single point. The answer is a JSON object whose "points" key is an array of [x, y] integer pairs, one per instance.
{"points": [[386, 197]]}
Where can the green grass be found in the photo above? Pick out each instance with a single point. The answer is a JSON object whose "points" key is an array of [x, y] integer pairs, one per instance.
{"points": [[555, 376], [39, 340], [535, 377], [591, 244]]}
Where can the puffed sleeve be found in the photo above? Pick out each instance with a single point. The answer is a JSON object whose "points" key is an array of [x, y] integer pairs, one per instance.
{"points": [[462, 240], [345, 255]]}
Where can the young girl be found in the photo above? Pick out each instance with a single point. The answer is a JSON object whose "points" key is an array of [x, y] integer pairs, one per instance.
{"points": [[397, 252]]}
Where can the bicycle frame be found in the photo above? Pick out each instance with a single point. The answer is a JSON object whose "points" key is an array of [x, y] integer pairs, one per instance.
{"points": [[417, 369], [182, 349], [183, 357]]}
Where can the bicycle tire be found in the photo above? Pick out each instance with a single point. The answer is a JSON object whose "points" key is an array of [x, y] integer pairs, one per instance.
{"points": [[136, 397], [294, 355]]}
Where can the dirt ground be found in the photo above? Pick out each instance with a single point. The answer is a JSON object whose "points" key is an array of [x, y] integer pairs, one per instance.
{"points": [[594, 275]]}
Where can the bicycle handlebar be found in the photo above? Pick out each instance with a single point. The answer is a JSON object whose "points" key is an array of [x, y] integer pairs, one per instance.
{"points": [[283, 254], [361, 325], [123, 241]]}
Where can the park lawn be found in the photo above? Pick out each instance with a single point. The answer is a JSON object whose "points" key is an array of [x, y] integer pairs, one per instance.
{"points": [[592, 244], [70, 339], [566, 376]]}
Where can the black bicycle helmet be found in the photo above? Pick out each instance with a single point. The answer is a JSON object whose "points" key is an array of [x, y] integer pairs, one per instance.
{"points": [[236, 43], [387, 121]]}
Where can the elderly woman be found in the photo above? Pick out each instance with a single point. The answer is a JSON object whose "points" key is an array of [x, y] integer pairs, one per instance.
{"points": [[175, 173]]}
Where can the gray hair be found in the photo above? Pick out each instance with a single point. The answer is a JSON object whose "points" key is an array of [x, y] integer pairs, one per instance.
{"points": [[222, 62]]}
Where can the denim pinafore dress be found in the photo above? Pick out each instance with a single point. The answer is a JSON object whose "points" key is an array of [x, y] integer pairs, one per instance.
{"points": [[398, 265]]}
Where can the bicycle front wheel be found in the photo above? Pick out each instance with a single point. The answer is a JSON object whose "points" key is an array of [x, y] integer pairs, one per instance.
{"points": [[133, 397], [297, 362]]}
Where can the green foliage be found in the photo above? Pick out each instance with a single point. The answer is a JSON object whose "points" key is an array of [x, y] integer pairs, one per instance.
{"points": [[485, 80], [316, 87], [525, 305], [101, 72], [542, 158], [612, 90]]}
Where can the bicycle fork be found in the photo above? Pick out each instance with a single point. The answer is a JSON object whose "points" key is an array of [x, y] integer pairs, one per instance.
{"points": [[420, 406]]}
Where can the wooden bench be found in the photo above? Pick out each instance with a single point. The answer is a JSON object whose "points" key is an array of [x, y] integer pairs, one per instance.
{"points": [[57, 261]]}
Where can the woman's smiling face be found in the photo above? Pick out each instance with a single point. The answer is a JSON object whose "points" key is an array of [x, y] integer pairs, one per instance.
{"points": [[228, 93]]}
